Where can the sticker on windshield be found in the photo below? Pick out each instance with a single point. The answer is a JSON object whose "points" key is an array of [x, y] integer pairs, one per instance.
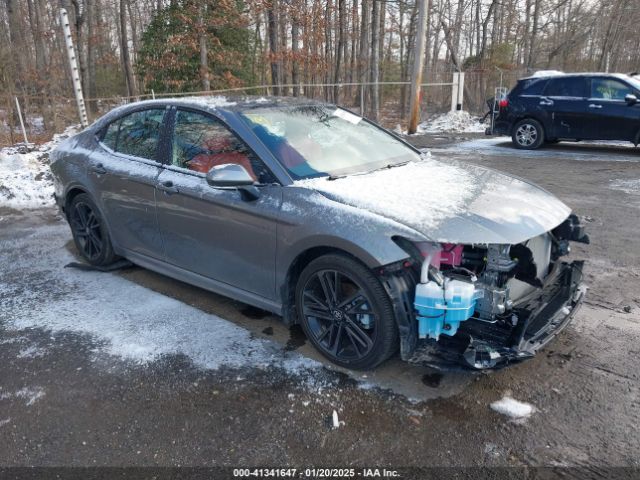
{"points": [[348, 116]]}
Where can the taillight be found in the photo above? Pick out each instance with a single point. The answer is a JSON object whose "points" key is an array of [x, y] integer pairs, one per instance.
{"points": [[503, 103]]}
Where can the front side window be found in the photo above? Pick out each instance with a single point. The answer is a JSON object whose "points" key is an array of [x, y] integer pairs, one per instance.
{"points": [[609, 89], [566, 87], [200, 142], [316, 140], [136, 134]]}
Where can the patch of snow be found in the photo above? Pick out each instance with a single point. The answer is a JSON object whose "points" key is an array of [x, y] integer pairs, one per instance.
{"points": [[581, 151], [210, 101], [546, 73], [630, 186], [25, 178], [513, 408], [458, 121], [5, 421], [30, 394], [32, 352], [141, 326]]}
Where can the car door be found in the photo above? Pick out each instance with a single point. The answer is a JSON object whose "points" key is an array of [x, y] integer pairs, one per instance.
{"points": [[609, 114], [124, 170], [219, 233], [566, 99]]}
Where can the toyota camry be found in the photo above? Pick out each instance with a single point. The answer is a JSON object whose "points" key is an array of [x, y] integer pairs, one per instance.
{"points": [[316, 214]]}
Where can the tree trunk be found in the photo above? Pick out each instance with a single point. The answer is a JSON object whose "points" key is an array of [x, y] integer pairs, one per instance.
{"points": [[92, 105], [124, 46], [375, 60], [364, 48], [272, 26], [339, 51], [295, 48], [204, 51], [418, 65]]}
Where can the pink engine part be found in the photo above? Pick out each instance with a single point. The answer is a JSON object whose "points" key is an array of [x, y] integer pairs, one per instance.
{"points": [[451, 254]]}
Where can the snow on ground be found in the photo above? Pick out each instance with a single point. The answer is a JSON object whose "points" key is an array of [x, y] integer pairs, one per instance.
{"points": [[513, 408], [29, 394], [452, 122], [129, 321], [630, 186], [582, 151], [25, 178]]}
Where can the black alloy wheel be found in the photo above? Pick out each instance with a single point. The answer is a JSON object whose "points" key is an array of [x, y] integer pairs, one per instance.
{"points": [[345, 312], [89, 232]]}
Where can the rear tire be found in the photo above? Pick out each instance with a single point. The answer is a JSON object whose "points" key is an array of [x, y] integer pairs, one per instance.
{"points": [[527, 134], [345, 312], [89, 231]]}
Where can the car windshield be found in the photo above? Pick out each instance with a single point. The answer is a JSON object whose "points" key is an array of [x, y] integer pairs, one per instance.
{"points": [[317, 140]]}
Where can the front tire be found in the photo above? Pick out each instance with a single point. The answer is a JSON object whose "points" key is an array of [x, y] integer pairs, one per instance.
{"points": [[89, 231], [527, 134], [345, 312]]}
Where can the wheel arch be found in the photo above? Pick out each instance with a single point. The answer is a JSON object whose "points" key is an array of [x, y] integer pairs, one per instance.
{"points": [[72, 193], [297, 265], [528, 116]]}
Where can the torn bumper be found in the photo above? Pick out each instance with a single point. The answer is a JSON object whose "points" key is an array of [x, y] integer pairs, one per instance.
{"points": [[551, 310], [537, 319]]}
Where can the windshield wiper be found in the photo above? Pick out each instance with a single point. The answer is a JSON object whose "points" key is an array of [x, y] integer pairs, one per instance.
{"points": [[335, 177], [388, 166]]}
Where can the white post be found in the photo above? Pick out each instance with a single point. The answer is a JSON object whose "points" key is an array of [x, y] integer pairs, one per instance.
{"points": [[73, 64], [24, 130], [460, 90], [454, 91], [153, 94]]}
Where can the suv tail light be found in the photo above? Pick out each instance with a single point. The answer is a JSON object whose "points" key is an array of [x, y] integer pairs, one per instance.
{"points": [[503, 103]]}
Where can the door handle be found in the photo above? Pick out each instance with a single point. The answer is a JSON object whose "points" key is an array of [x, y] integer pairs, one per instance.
{"points": [[167, 187], [594, 105], [99, 169], [546, 102]]}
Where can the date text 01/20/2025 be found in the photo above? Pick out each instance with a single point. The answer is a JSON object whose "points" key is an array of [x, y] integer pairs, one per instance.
{"points": [[315, 473]]}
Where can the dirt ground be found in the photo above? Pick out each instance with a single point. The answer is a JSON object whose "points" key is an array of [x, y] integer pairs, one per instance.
{"points": [[70, 396]]}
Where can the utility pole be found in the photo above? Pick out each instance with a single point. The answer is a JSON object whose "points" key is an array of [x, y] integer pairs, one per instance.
{"points": [[73, 64], [418, 64]]}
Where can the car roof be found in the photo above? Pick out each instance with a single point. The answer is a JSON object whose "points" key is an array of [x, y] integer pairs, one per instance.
{"points": [[555, 74], [221, 105]]}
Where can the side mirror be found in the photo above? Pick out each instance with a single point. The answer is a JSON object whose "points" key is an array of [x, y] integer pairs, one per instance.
{"points": [[232, 175], [631, 99], [229, 175]]}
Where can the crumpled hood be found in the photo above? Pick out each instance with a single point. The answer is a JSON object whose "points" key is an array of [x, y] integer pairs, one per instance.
{"points": [[453, 202]]}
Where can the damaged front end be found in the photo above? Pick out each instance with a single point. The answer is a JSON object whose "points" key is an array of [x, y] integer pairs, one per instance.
{"points": [[485, 306]]}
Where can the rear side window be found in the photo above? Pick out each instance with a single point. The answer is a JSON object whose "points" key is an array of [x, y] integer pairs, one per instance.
{"points": [[532, 86], [111, 135], [137, 134], [609, 89], [566, 87]]}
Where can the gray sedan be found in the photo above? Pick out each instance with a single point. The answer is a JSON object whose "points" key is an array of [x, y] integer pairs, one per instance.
{"points": [[316, 214]]}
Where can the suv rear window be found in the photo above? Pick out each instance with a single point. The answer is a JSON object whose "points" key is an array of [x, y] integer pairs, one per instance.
{"points": [[566, 87], [531, 86]]}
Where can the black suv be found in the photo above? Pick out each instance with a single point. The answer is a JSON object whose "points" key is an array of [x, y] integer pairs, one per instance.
{"points": [[547, 108]]}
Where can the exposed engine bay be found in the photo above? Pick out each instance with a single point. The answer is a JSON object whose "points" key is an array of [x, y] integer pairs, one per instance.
{"points": [[488, 305]]}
